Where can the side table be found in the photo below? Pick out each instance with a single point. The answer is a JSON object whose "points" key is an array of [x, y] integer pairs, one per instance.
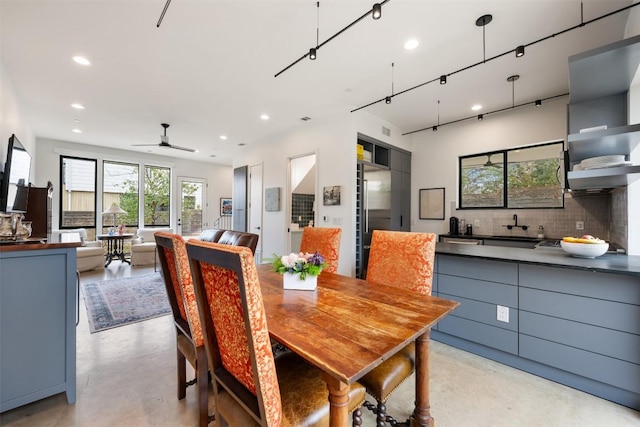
{"points": [[115, 246]]}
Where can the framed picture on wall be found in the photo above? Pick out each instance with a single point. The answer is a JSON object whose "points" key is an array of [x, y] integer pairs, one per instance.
{"points": [[226, 206], [431, 203], [331, 196]]}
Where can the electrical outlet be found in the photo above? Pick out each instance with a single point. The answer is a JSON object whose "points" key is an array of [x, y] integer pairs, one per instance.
{"points": [[476, 223], [579, 225], [502, 313]]}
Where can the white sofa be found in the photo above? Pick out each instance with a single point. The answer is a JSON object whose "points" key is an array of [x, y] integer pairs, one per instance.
{"points": [[143, 247], [90, 255]]}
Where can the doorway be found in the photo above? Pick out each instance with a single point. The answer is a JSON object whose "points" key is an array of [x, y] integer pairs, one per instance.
{"points": [[192, 206], [302, 196]]}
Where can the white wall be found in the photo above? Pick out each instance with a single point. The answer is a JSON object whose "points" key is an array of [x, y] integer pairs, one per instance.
{"points": [[219, 178], [435, 154], [11, 121]]}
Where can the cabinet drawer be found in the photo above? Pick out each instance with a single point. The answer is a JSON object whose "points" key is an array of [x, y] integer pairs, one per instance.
{"points": [[491, 292], [607, 342], [606, 286], [600, 368], [482, 312], [597, 312], [482, 269], [490, 336]]}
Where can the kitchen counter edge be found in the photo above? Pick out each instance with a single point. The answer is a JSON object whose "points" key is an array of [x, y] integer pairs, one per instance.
{"points": [[608, 263]]}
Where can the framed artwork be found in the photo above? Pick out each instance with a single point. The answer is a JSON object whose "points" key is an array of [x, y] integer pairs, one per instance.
{"points": [[331, 196], [432, 203], [272, 199], [226, 206]]}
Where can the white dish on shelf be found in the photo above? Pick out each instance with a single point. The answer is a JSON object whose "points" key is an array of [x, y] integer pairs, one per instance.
{"points": [[627, 163], [602, 161], [584, 250]]}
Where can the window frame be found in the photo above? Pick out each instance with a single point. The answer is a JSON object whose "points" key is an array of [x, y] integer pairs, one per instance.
{"points": [[505, 180], [95, 194]]}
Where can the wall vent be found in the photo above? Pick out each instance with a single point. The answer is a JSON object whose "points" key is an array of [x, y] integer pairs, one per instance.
{"points": [[386, 131]]}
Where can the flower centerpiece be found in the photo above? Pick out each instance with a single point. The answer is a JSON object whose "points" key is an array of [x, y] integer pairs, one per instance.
{"points": [[300, 271]]}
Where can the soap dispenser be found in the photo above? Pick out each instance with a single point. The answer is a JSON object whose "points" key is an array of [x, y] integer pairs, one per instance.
{"points": [[540, 232]]}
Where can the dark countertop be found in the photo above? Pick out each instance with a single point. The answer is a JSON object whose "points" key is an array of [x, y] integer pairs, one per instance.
{"points": [[608, 263], [483, 237]]}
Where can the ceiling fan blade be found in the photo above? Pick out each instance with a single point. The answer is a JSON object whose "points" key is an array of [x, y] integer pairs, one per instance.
{"points": [[177, 147]]}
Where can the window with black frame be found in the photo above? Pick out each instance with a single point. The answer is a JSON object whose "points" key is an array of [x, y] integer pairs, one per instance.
{"points": [[518, 178], [78, 192]]}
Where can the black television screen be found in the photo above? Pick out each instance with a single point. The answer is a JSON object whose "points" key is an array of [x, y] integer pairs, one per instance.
{"points": [[14, 188]]}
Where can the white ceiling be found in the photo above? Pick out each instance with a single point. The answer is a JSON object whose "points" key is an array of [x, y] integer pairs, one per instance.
{"points": [[209, 69]]}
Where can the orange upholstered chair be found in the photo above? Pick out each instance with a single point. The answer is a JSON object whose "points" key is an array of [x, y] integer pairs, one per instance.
{"points": [[404, 260], [325, 241], [189, 341], [251, 387]]}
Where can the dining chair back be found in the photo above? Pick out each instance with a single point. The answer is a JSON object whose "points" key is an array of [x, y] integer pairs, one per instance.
{"points": [[189, 340], [271, 392], [325, 241], [406, 260]]}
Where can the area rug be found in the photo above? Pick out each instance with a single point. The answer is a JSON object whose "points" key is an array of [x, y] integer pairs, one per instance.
{"points": [[119, 302]]}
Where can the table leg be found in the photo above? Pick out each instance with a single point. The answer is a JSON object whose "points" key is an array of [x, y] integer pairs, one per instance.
{"points": [[422, 414], [338, 400]]}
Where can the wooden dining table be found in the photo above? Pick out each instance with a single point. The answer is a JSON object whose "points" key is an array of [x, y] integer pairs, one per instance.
{"points": [[347, 327]]}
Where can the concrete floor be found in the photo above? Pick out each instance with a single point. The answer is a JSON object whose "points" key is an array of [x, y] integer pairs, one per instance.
{"points": [[126, 377]]}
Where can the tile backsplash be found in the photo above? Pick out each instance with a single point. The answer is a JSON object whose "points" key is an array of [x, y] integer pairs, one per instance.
{"points": [[302, 208], [603, 216]]}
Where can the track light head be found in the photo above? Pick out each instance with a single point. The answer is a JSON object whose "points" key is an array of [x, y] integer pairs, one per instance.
{"points": [[435, 128], [519, 51], [387, 100], [312, 53], [376, 11], [480, 117], [538, 102], [443, 79]]}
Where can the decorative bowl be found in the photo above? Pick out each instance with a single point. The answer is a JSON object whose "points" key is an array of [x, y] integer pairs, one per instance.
{"points": [[584, 250]]}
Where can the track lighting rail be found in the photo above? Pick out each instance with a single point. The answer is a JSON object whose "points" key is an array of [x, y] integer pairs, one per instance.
{"points": [[437, 79], [537, 103], [317, 48]]}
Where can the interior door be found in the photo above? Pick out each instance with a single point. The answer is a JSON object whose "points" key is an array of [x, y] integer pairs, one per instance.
{"points": [[192, 206], [255, 207]]}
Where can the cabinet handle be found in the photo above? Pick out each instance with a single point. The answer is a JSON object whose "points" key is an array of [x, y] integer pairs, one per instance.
{"points": [[77, 297], [400, 220]]}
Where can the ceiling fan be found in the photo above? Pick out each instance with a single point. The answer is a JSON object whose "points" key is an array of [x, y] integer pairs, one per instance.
{"points": [[489, 163], [164, 142]]}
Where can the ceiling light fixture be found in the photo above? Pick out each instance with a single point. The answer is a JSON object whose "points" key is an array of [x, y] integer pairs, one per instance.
{"points": [[443, 79], [81, 60], [513, 79], [519, 51], [468, 67], [435, 128], [484, 114], [376, 11], [77, 106], [264, 117], [538, 102], [313, 51], [388, 98], [482, 22], [364, 15], [480, 117], [476, 107], [76, 130], [411, 44], [223, 137]]}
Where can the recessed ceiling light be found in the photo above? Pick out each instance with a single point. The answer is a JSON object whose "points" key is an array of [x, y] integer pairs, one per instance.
{"points": [[76, 130], [223, 137], [81, 60], [264, 117], [77, 106], [212, 155], [76, 121], [242, 144], [476, 107], [411, 44]]}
